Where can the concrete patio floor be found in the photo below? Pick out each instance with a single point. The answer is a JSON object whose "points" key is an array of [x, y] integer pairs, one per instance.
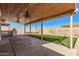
{"points": [[24, 46]]}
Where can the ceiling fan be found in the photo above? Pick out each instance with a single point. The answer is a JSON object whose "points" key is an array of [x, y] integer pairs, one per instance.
{"points": [[26, 15]]}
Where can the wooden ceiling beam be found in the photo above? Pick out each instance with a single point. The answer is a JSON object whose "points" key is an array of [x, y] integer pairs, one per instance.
{"points": [[38, 11]]}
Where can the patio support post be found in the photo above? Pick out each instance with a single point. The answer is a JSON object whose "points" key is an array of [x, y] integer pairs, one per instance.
{"points": [[9, 30], [30, 29], [24, 30], [42, 30], [71, 31], [71, 27], [36, 29], [30, 25]]}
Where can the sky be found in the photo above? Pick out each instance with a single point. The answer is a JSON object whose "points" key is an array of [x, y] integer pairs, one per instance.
{"points": [[51, 23]]}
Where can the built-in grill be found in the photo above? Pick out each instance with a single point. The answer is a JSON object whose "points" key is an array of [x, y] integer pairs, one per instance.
{"points": [[6, 33]]}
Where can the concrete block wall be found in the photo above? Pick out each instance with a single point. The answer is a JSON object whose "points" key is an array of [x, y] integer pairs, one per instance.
{"points": [[49, 31], [61, 31]]}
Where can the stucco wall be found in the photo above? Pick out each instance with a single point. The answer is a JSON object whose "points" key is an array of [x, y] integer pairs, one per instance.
{"points": [[49, 31], [61, 31]]}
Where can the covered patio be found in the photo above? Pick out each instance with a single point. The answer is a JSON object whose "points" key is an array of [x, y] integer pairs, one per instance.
{"points": [[27, 14]]}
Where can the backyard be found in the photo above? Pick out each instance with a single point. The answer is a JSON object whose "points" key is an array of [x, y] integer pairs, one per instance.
{"points": [[62, 40]]}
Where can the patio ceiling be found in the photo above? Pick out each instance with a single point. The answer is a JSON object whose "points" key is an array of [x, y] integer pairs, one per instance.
{"points": [[38, 11]]}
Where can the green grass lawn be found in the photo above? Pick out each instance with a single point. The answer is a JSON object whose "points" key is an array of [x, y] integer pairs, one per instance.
{"points": [[62, 40]]}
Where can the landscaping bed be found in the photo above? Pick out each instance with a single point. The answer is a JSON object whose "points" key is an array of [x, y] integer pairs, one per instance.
{"points": [[62, 40]]}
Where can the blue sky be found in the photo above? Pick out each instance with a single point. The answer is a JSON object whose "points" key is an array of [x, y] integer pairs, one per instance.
{"points": [[53, 22]]}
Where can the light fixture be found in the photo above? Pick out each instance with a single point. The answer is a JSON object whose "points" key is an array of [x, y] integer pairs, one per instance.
{"points": [[76, 10]]}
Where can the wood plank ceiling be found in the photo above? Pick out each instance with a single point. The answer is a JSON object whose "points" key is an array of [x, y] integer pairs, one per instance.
{"points": [[38, 11]]}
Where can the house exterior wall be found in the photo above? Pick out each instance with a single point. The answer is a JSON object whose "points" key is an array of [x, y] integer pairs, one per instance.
{"points": [[20, 31]]}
